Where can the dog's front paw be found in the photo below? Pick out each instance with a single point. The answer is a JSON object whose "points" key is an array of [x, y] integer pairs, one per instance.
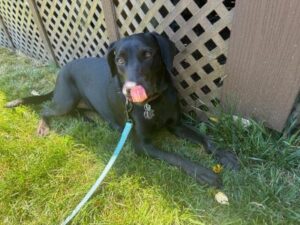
{"points": [[227, 159], [43, 128]]}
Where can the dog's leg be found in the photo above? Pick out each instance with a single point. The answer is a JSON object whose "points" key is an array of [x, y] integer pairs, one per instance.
{"points": [[43, 127], [200, 173], [54, 110], [225, 157], [62, 104]]}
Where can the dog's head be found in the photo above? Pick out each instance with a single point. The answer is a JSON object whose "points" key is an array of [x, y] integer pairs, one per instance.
{"points": [[142, 60]]}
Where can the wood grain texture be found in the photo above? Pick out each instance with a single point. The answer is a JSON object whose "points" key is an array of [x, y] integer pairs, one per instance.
{"points": [[264, 60], [110, 19]]}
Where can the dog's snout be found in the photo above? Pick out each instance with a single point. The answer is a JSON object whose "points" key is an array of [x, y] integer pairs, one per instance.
{"points": [[128, 85]]}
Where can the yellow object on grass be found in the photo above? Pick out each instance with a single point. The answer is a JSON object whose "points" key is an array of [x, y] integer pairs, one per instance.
{"points": [[217, 168], [214, 119]]}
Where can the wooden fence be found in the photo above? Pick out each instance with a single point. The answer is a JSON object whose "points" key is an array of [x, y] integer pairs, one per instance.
{"points": [[61, 30]]}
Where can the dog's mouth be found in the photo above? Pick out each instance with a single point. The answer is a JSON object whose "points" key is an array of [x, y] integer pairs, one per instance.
{"points": [[135, 93]]}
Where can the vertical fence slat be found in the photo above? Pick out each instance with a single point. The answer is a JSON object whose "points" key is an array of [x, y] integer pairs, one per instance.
{"points": [[110, 19], [41, 29], [6, 33]]}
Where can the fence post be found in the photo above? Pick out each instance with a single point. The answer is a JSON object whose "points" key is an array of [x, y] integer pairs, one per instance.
{"points": [[110, 19], [42, 31], [6, 33]]}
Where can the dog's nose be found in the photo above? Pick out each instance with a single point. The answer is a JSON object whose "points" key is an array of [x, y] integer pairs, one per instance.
{"points": [[127, 87]]}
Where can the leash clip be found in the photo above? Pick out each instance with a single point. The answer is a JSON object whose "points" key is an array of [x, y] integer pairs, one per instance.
{"points": [[129, 107]]}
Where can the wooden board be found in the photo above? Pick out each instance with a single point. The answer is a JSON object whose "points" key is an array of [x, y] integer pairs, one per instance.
{"points": [[263, 65]]}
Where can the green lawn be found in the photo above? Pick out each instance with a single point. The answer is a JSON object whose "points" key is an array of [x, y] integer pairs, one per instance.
{"points": [[43, 179]]}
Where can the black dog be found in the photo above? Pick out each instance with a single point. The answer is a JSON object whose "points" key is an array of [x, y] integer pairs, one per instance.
{"points": [[104, 84]]}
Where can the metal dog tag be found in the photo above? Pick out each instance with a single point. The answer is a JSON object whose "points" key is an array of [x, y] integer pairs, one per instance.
{"points": [[149, 112]]}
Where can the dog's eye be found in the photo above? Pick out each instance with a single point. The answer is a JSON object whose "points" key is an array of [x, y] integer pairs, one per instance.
{"points": [[147, 54], [121, 60]]}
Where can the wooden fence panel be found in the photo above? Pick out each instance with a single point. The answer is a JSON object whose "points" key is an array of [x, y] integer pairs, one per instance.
{"points": [[75, 28], [5, 39], [41, 29], [21, 27], [264, 60]]}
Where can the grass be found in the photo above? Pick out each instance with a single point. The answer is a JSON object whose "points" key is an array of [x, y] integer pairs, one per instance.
{"points": [[42, 179]]}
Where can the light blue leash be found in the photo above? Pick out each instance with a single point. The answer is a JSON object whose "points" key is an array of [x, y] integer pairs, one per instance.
{"points": [[113, 158]]}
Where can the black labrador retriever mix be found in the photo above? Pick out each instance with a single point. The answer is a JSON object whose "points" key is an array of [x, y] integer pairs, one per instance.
{"points": [[104, 84]]}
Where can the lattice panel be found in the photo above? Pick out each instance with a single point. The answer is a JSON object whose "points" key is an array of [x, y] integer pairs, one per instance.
{"points": [[75, 28], [200, 30], [3, 40], [21, 28]]}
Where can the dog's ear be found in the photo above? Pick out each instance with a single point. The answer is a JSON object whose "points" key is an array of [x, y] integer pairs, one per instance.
{"points": [[167, 50], [110, 56]]}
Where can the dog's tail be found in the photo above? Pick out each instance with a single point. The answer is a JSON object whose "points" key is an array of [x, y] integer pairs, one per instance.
{"points": [[29, 100]]}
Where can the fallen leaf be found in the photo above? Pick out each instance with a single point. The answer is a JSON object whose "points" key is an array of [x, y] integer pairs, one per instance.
{"points": [[35, 93], [246, 123], [221, 198], [217, 168], [214, 119]]}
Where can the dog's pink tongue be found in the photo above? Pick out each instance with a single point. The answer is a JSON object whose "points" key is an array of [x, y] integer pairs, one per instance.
{"points": [[138, 94]]}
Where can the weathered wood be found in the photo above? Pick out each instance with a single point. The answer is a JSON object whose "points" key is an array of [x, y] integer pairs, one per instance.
{"points": [[42, 32], [264, 60], [6, 34], [110, 20]]}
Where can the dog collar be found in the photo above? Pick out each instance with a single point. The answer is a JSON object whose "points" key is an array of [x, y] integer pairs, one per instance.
{"points": [[152, 98], [155, 96]]}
